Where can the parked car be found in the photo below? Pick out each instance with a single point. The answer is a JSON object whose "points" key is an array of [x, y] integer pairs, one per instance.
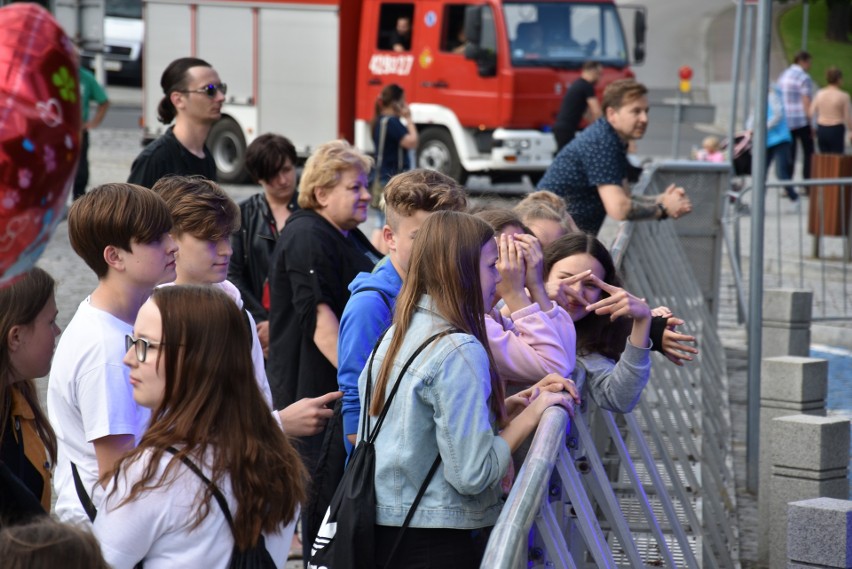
{"points": [[123, 33]]}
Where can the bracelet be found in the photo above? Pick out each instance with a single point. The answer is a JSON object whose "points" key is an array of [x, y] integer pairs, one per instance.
{"points": [[663, 213]]}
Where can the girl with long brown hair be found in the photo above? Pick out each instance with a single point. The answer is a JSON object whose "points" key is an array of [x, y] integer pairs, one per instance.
{"points": [[449, 403], [189, 364], [28, 333]]}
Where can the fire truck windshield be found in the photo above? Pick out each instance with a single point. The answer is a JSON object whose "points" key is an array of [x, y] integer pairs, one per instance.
{"points": [[564, 34]]}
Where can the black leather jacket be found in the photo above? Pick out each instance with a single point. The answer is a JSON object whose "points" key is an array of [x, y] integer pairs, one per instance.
{"points": [[253, 245]]}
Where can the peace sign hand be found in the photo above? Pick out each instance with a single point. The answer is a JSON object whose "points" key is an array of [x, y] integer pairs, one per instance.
{"points": [[561, 292], [619, 303]]}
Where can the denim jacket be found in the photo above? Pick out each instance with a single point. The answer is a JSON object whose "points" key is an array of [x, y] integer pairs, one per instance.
{"points": [[441, 406]]}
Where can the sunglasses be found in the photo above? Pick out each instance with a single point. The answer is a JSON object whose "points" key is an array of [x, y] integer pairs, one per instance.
{"points": [[209, 90], [141, 346]]}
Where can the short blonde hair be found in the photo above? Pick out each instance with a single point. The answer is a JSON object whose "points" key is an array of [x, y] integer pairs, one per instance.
{"points": [[421, 190], [325, 166]]}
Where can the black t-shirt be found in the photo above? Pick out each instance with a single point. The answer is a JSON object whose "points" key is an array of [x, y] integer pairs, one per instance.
{"points": [[574, 105], [167, 156], [398, 38]]}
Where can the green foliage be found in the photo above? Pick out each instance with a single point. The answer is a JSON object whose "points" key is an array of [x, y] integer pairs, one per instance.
{"points": [[825, 53]]}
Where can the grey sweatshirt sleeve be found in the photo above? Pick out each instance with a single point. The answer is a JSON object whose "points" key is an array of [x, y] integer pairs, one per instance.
{"points": [[617, 386]]}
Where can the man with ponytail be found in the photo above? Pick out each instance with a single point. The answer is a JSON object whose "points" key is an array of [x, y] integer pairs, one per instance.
{"points": [[193, 97]]}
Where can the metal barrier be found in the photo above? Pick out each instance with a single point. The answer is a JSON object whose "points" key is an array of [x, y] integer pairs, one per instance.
{"points": [[654, 487], [785, 262]]}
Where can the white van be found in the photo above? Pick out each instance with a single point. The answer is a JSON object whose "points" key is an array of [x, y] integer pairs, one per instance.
{"points": [[123, 33]]}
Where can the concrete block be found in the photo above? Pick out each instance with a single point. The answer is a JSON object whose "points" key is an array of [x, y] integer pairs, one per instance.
{"points": [[783, 341], [787, 305], [810, 443], [793, 379], [819, 532], [786, 490]]}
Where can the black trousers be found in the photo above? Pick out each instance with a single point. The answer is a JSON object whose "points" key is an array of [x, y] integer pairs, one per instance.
{"points": [[81, 180], [804, 136], [431, 548], [830, 139]]}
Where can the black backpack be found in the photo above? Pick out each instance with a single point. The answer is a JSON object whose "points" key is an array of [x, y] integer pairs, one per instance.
{"points": [[346, 539]]}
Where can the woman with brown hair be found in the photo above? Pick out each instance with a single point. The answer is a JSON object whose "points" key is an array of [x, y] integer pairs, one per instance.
{"points": [[28, 334], [449, 408], [189, 364]]}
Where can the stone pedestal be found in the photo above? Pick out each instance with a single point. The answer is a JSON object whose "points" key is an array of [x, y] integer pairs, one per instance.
{"points": [[819, 533], [789, 385], [809, 456], [786, 322]]}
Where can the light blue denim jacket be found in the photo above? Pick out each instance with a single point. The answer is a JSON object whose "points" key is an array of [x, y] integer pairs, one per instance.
{"points": [[441, 405]]}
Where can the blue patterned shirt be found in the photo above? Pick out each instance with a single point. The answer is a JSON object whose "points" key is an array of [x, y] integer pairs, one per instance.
{"points": [[794, 84], [597, 157]]}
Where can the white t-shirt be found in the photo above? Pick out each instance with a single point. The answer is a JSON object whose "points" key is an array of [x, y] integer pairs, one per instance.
{"points": [[256, 350], [89, 396], [155, 526]]}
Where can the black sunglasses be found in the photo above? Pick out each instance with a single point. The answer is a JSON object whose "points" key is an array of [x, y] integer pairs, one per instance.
{"points": [[209, 90]]}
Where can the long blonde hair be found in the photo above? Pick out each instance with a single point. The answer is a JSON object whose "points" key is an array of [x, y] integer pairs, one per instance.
{"points": [[444, 265]]}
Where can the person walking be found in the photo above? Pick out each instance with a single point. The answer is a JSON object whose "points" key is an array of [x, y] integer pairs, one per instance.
{"points": [[831, 110], [797, 92], [90, 91]]}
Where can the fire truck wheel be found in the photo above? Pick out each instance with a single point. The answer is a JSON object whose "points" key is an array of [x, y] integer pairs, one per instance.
{"points": [[437, 151], [228, 147]]}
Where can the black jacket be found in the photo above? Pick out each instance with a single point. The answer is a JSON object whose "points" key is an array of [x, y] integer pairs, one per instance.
{"points": [[253, 245]]}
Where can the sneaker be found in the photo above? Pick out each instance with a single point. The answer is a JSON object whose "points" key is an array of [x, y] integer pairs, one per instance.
{"points": [[795, 207]]}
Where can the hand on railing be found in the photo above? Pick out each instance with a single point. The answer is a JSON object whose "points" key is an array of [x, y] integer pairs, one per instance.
{"points": [[674, 344], [553, 383], [675, 201]]}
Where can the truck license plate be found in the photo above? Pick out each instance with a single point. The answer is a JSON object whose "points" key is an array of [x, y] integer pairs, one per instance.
{"points": [[112, 65]]}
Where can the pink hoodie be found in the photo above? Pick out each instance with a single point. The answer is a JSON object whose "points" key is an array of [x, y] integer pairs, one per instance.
{"points": [[531, 344]]}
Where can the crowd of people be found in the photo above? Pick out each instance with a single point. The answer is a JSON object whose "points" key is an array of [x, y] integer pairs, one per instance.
{"points": [[204, 398]]}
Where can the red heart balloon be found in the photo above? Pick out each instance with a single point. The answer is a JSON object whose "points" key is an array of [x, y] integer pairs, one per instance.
{"points": [[39, 132]]}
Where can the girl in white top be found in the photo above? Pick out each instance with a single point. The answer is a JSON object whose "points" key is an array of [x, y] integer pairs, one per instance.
{"points": [[189, 365]]}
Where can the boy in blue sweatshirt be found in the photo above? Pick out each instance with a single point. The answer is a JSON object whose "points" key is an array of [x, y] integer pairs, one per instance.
{"points": [[409, 198]]}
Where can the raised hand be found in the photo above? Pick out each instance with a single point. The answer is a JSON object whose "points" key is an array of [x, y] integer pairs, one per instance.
{"points": [[675, 345], [512, 269], [619, 303], [562, 292]]}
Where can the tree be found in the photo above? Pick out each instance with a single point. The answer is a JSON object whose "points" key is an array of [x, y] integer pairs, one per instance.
{"points": [[838, 22]]}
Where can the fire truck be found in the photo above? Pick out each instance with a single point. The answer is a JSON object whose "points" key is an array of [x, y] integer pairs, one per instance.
{"points": [[483, 78]]}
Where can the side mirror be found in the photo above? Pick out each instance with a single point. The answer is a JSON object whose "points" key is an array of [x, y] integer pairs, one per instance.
{"points": [[639, 27], [486, 60]]}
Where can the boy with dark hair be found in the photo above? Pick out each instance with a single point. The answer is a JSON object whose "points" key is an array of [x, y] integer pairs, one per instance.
{"points": [[409, 198], [121, 231]]}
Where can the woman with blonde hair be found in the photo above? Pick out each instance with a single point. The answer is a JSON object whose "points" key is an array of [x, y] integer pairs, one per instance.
{"points": [[213, 474], [28, 334], [448, 410]]}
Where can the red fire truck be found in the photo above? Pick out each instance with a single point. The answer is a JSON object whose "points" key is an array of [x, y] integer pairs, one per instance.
{"points": [[484, 78]]}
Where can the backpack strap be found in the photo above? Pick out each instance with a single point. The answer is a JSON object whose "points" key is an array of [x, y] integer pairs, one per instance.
{"points": [[383, 129], [82, 495], [223, 504], [412, 509], [382, 294], [399, 377]]}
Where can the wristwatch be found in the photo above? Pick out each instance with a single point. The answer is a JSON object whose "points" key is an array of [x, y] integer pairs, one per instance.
{"points": [[663, 213]]}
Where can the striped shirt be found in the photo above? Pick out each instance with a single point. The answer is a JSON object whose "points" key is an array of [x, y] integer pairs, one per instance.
{"points": [[795, 83]]}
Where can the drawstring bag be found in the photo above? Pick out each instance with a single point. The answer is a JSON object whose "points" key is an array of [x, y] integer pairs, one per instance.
{"points": [[346, 539]]}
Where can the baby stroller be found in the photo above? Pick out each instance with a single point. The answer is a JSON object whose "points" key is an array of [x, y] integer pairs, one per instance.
{"points": [[742, 168], [742, 153]]}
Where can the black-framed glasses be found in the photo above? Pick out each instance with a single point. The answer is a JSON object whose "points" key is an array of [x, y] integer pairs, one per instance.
{"points": [[209, 90], [141, 345]]}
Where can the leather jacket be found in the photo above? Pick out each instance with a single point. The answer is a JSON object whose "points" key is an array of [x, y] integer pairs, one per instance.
{"points": [[253, 245]]}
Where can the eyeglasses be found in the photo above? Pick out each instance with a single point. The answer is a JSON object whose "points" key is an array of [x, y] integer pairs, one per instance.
{"points": [[141, 345], [209, 90]]}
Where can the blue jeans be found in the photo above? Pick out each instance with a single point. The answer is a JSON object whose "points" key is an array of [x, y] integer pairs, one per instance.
{"points": [[783, 155]]}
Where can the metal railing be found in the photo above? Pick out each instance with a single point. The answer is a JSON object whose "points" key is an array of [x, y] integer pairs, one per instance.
{"points": [[786, 263], [654, 487]]}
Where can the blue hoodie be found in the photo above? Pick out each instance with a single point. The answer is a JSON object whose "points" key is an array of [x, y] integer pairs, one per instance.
{"points": [[367, 314]]}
